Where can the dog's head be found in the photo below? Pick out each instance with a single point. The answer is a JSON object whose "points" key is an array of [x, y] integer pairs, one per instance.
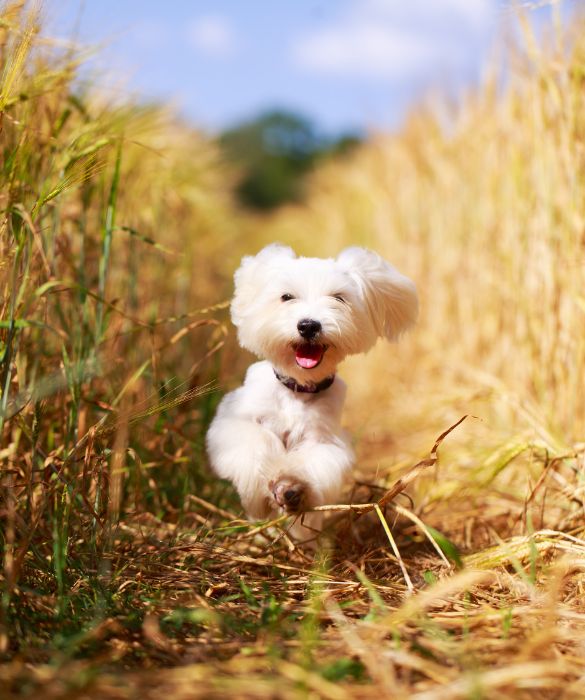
{"points": [[305, 315]]}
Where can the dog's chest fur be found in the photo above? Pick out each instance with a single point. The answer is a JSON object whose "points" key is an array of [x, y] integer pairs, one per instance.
{"points": [[293, 417]]}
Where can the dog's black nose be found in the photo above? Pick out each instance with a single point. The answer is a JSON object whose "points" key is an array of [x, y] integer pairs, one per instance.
{"points": [[308, 328]]}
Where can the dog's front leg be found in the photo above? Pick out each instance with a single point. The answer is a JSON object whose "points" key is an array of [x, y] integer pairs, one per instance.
{"points": [[311, 474], [324, 465], [246, 453]]}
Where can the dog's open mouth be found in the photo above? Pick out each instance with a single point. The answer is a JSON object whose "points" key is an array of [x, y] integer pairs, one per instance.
{"points": [[309, 355]]}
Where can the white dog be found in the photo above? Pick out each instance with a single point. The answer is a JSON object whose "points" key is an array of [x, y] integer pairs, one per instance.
{"points": [[278, 438]]}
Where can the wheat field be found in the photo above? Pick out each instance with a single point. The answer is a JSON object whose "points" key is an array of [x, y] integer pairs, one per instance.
{"points": [[128, 570]]}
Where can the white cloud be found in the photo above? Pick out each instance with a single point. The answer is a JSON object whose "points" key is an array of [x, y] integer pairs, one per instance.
{"points": [[367, 50], [392, 39], [469, 12], [212, 35]]}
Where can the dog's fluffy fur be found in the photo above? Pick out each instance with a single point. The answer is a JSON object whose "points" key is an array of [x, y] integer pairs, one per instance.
{"points": [[284, 449]]}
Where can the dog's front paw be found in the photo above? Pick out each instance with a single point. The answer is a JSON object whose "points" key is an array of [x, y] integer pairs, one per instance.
{"points": [[289, 494]]}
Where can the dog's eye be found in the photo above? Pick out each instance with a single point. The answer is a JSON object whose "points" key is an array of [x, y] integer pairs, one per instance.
{"points": [[339, 298], [286, 297]]}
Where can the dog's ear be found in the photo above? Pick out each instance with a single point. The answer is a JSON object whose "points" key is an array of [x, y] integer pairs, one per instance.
{"points": [[390, 297], [248, 277]]}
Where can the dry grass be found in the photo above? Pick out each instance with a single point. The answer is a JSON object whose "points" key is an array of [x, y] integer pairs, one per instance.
{"points": [[127, 570]]}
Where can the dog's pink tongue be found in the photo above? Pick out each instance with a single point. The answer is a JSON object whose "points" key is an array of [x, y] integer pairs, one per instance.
{"points": [[308, 356]]}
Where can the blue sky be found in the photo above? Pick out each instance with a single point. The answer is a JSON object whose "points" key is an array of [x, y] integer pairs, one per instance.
{"points": [[349, 64]]}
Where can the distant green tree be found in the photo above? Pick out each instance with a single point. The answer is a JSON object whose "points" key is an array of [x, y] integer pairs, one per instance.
{"points": [[275, 151]]}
